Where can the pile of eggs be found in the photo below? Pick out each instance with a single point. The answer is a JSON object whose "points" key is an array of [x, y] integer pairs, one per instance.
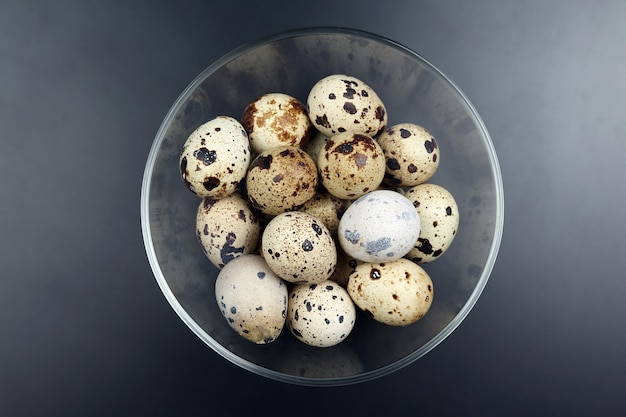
{"points": [[314, 212]]}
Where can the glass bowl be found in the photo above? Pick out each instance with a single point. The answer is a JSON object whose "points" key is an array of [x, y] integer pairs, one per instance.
{"points": [[413, 90]]}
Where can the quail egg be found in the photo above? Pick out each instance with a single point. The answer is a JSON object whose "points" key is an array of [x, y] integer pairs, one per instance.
{"points": [[439, 216], [343, 103], [276, 119], [299, 248], [215, 157], [252, 298], [320, 314], [226, 228], [411, 154], [351, 165], [380, 226], [396, 293], [281, 179]]}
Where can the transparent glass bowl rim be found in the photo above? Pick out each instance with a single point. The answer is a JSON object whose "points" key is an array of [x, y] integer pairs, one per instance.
{"points": [[269, 373]]}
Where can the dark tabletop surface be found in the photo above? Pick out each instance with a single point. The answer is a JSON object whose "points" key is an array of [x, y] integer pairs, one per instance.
{"points": [[84, 328]]}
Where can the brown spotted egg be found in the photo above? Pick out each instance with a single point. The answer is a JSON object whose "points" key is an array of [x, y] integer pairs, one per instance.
{"points": [[252, 298], [299, 248], [411, 154], [281, 179], [227, 228], [276, 119], [342, 103], [351, 165], [321, 315], [215, 157], [396, 293], [439, 215]]}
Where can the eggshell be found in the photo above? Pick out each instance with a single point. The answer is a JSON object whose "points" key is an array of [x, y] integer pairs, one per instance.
{"points": [[299, 248], [396, 293], [227, 228], [342, 103], [351, 165], [345, 266], [321, 314], [439, 216], [327, 208], [281, 179], [252, 299], [315, 145], [411, 154], [276, 119], [215, 158], [380, 226]]}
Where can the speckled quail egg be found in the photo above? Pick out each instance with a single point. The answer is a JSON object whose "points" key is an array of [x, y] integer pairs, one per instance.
{"points": [[281, 179], [326, 208], [321, 315], [396, 293], [351, 165], [343, 103], [439, 216], [215, 157], [276, 119], [411, 154], [252, 298], [380, 226], [299, 248], [227, 228]]}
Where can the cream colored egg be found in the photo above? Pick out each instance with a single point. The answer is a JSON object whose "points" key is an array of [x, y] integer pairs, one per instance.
{"points": [[252, 299], [227, 228], [299, 248], [439, 216], [321, 315], [411, 154], [276, 119], [351, 165], [215, 158], [343, 103], [281, 179], [396, 293]]}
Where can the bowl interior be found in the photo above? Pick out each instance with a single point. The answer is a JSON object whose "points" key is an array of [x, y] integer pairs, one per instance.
{"points": [[413, 91]]}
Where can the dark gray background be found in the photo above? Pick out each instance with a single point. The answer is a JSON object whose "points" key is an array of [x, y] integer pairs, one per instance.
{"points": [[84, 329]]}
